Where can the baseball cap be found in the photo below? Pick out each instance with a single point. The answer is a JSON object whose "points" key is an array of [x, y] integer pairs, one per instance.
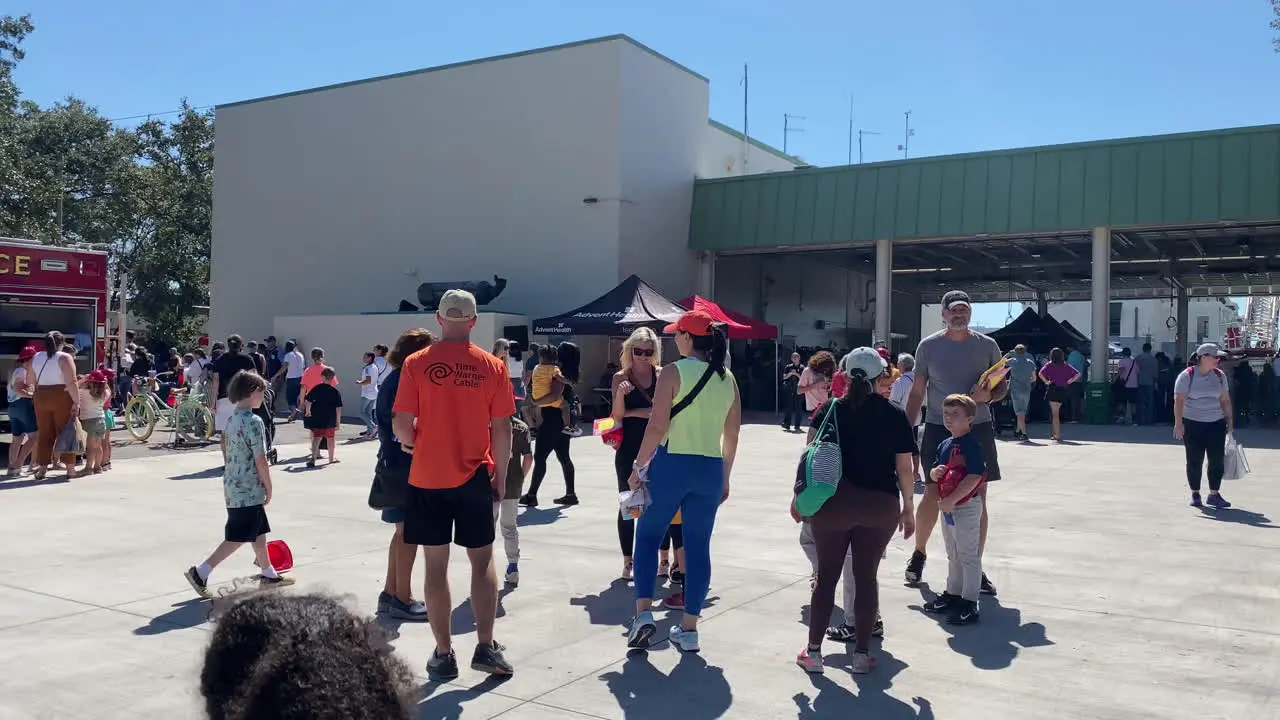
{"points": [[457, 306], [97, 376], [694, 322], [1210, 350], [884, 353], [955, 297], [864, 361], [26, 353]]}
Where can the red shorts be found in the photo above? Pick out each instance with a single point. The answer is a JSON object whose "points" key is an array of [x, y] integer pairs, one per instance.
{"points": [[323, 433]]}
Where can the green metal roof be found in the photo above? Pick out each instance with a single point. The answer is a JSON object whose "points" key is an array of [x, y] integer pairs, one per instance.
{"points": [[1203, 178], [451, 66]]}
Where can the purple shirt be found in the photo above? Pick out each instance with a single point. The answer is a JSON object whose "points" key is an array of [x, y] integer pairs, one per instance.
{"points": [[1058, 374]]}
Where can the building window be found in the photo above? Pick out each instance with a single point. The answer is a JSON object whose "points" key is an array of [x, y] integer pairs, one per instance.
{"points": [[1117, 312], [1202, 328]]}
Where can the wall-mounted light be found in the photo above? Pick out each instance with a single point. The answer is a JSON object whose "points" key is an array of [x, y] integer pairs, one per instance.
{"points": [[593, 200]]}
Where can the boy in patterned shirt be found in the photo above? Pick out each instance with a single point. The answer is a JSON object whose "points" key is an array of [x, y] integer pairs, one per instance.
{"points": [[246, 486]]}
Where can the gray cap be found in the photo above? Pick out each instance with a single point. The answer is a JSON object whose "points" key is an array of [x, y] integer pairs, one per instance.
{"points": [[1210, 350]]}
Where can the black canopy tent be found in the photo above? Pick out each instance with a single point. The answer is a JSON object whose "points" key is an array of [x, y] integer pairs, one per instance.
{"points": [[631, 304], [1039, 334], [1081, 338]]}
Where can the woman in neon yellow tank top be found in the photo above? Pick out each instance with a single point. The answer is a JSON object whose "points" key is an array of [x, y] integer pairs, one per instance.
{"points": [[687, 455]]}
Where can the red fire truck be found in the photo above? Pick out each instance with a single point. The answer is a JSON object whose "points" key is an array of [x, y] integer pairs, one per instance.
{"points": [[45, 288]]}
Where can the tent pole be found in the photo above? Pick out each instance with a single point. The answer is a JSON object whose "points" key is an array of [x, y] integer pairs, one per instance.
{"points": [[776, 371]]}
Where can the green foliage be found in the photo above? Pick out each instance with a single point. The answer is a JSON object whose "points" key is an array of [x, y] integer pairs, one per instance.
{"points": [[68, 175]]}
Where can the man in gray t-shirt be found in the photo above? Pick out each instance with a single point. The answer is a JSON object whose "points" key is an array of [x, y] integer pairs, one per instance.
{"points": [[1148, 369], [949, 362]]}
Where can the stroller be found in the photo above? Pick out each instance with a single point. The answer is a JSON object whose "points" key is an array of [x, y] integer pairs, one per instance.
{"points": [[263, 411]]}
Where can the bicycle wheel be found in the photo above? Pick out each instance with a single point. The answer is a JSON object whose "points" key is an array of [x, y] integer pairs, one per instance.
{"points": [[139, 418], [194, 421]]}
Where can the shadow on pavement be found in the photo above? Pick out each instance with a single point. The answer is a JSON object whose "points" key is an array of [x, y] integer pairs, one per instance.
{"points": [[834, 701], [185, 614], [1230, 515], [995, 642], [214, 472], [615, 605], [463, 619], [32, 482], [447, 705], [693, 691], [540, 516]]}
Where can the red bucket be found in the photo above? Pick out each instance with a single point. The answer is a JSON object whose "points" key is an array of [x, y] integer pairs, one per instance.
{"points": [[280, 556]]}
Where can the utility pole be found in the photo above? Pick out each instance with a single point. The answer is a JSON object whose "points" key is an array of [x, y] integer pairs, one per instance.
{"points": [[860, 134], [787, 129], [906, 136], [746, 132]]}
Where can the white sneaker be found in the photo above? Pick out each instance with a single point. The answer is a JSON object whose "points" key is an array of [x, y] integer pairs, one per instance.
{"points": [[642, 630], [513, 577], [686, 640], [860, 663]]}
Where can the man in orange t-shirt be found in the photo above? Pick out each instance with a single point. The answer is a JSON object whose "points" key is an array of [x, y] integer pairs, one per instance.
{"points": [[453, 414]]}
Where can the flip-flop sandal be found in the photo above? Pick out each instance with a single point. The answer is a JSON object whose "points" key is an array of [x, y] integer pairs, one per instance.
{"points": [[311, 463]]}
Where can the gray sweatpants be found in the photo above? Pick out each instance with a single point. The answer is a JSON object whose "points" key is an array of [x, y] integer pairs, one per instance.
{"points": [[810, 548], [964, 561], [505, 514]]}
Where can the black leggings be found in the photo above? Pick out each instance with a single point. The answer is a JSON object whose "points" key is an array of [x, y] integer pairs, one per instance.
{"points": [[549, 439], [622, 462], [1201, 439]]}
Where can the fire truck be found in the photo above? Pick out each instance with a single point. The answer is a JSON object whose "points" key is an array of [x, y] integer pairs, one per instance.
{"points": [[43, 288]]}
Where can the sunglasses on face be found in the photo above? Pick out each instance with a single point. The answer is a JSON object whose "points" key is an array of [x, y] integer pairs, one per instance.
{"points": [[641, 352]]}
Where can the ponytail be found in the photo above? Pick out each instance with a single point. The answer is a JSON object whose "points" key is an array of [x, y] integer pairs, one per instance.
{"points": [[53, 341], [860, 388], [715, 347]]}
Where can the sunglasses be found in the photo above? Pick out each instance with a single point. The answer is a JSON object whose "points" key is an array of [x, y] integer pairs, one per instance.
{"points": [[641, 352]]}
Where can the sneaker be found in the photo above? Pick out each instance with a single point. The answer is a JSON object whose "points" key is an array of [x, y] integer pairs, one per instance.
{"points": [[529, 500], [199, 584], [965, 613], [846, 633], [941, 604], [384, 602], [686, 640], [642, 630], [677, 575], [1195, 500], [628, 570], [567, 500], [987, 588], [513, 575], [489, 658], [674, 601], [664, 568], [442, 667], [915, 568], [861, 662], [810, 661], [573, 431], [1217, 501], [413, 611], [275, 582]]}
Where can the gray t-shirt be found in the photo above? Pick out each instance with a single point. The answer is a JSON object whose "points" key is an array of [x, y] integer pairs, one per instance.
{"points": [[1022, 370], [954, 366], [1147, 369], [1203, 394]]}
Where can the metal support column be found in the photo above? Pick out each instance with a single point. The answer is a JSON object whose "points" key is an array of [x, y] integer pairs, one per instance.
{"points": [[1042, 303], [884, 290], [707, 275], [1101, 305], [1182, 331]]}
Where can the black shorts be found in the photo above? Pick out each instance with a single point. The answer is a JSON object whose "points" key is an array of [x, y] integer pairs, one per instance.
{"points": [[984, 433], [245, 524], [915, 436], [1056, 394], [462, 515]]}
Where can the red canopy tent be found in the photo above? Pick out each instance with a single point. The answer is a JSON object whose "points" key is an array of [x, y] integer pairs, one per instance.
{"points": [[741, 327]]}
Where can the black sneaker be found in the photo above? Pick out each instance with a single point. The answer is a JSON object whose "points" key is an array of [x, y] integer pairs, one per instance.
{"points": [[199, 584], [965, 613], [529, 500], [443, 667], [915, 568], [567, 500], [943, 603], [846, 633], [987, 587], [677, 576], [489, 658]]}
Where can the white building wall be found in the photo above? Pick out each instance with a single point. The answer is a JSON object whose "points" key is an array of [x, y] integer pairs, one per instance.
{"points": [[346, 199], [664, 121], [722, 152]]}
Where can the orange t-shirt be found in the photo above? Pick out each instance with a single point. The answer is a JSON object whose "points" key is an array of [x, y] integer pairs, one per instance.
{"points": [[454, 389], [311, 377]]}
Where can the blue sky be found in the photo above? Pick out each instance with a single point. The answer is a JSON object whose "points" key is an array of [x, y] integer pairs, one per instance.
{"points": [[977, 75]]}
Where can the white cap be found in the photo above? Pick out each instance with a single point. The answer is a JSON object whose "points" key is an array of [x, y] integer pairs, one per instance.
{"points": [[865, 361], [457, 306], [1210, 350]]}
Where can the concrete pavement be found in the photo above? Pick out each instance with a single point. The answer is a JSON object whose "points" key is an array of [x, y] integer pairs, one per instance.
{"points": [[1116, 599]]}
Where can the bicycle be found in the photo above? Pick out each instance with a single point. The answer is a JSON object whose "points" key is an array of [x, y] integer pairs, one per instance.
{"points": [[187, 415]]}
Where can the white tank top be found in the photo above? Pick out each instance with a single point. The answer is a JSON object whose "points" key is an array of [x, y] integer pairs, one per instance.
{"points": [[46, 369]]}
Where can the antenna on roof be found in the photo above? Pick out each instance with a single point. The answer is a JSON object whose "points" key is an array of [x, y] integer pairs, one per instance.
{"points": [[746, 133]]}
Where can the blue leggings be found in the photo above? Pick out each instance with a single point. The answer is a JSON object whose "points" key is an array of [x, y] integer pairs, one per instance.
{"points": [[694, 485]]}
